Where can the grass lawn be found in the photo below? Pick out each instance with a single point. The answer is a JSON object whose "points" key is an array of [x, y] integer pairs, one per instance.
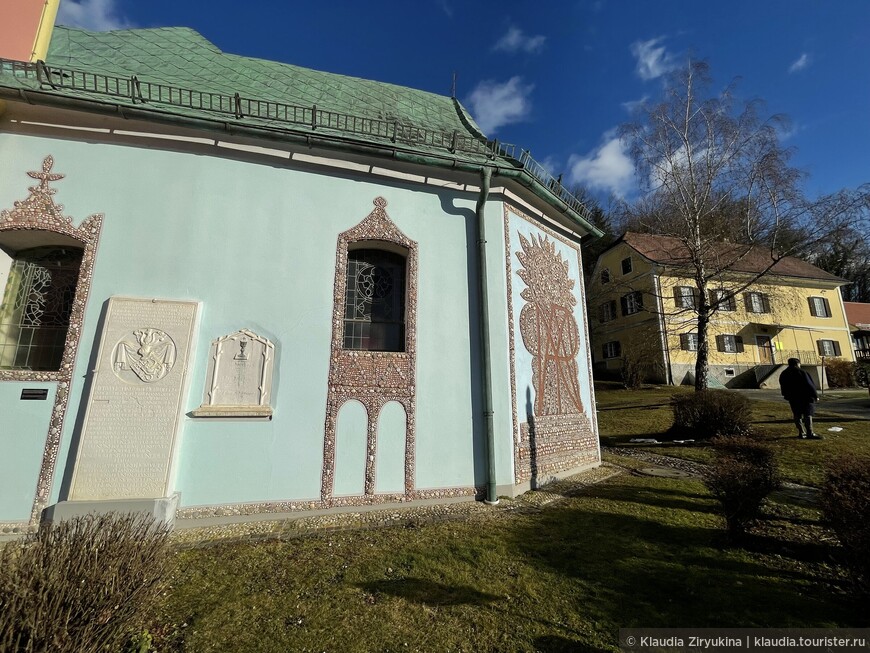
{"points": [[631, 551], [625, 414]]}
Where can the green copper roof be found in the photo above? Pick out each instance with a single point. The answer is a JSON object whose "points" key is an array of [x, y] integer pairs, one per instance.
{"points": [[174, 74], [181, 57]]}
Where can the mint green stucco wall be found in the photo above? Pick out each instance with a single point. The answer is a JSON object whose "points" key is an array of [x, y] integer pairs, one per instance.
{"points": [[23, 427], [255, 244]]}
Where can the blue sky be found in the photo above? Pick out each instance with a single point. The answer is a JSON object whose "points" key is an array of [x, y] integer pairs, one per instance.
{"points": [[558, 77]]}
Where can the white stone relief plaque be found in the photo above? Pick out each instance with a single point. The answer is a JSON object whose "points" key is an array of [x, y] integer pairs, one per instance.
{"points": [[131, 425], [239, 378]]}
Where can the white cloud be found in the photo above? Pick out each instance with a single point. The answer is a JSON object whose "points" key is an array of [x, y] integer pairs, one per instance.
{"points": [[802, 62], [607, 168], [95, 15], [633, 105], [515, 41], [653, 60], [493, 104]]}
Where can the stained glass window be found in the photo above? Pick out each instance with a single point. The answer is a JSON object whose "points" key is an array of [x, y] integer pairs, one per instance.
{"points": [[374, 301], [36, 308]]}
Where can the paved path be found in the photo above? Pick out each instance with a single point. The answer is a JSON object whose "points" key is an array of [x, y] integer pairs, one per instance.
{"points": [[845, 403], [789, 492]]}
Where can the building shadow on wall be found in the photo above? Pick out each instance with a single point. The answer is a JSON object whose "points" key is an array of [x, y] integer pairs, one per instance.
{"points": [[90, 375], [533, 441], [474, 336]]}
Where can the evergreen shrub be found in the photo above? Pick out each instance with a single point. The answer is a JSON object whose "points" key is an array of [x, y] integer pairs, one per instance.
{"points": [[840, 373], [846, 509], [710, 414], [741, 476]]}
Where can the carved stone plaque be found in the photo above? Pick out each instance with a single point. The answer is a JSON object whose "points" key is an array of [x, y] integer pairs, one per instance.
{"points": [[239, 380], [135, 405]]}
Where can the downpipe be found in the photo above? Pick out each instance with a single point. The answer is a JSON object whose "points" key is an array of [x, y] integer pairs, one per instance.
{"points": [[486, 353]]}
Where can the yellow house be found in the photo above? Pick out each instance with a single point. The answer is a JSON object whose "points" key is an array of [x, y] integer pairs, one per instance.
{"points": [[642, 303]]}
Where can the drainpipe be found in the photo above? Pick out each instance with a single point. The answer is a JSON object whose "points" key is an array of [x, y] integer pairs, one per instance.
{"points": [[486, 356]]}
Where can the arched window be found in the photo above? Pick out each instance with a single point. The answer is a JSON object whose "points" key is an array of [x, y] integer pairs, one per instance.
{"points": [[374, 301], [37, 304]]}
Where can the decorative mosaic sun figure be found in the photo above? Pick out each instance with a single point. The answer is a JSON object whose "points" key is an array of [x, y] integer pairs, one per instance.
{"points": [[548, 328]]}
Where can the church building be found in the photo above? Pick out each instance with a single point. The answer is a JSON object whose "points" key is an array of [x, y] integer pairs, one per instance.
{"points": [[233, 287]]}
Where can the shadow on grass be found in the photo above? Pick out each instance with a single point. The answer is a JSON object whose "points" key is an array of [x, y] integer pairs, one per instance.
{"points": [[602, 409], [557, 644], [427, 592], [658, 497], [656, 567]]}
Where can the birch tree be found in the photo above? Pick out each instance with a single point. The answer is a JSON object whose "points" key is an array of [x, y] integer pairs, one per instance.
{"points": [[714, 175]]}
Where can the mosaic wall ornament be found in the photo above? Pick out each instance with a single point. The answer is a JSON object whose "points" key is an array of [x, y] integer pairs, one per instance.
{"points": [[39, 212], [560, 434], [548, 328]]}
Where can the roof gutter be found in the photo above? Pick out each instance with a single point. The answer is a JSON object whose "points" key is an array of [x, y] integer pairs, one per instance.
{"points": [[327, 141]]}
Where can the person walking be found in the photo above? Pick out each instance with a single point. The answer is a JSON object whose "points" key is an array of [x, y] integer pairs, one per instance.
{"points": [[799, 390]]}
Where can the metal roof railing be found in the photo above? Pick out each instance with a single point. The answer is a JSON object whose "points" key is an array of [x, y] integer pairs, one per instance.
{"points": [[134, 90]]}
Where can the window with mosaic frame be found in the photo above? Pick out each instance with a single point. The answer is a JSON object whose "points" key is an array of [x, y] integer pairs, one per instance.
{"points": [[374, 301]]}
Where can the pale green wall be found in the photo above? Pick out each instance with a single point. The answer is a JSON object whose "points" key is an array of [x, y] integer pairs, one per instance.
{"points": [[390, 461], [256, 245], [350, 450], [23, 427]]}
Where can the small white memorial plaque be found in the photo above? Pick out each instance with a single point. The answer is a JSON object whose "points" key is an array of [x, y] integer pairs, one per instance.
{"points": [[131, 425], [239, 378]]}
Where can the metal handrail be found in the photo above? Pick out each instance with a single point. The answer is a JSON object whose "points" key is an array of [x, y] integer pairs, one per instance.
{"points": [[138, 91]]}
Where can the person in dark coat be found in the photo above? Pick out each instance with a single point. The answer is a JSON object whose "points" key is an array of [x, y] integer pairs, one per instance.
{"points": [[799, 390]]}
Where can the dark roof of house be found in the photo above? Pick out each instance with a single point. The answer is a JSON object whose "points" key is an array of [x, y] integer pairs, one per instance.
{"points": [[858, 313], [175, 74], [735, 257]]}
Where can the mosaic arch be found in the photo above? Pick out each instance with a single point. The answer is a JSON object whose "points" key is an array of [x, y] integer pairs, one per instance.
{"points": [[39, 213], [372, 378]]}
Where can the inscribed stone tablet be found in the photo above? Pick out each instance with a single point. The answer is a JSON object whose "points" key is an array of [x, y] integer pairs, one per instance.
{"points": [[134, 409]]}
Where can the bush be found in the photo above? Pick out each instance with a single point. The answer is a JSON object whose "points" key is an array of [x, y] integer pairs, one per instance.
{"points": [[81, 585], [840, 373], [709, 414], [743, 473], [846, 509]]}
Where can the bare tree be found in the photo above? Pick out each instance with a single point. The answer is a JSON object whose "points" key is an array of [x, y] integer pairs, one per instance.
{"points": [[716, 178]]}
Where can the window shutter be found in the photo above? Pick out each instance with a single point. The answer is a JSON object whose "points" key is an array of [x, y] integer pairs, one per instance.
{"points": [[720, 343], [696, 298], [602, 313], [612, 304], [732, 303], [747, 298], [678, 297], [812, 306], [821, 348], [836, 347], [684, 341], [623, 302], [604, 350], [765, 303], [712, 295], [738, 340], [617, 349], [638, 299], [827, 308]]}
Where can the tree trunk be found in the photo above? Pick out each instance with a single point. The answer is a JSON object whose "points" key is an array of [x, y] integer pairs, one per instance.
{"points": [[702, 365]]}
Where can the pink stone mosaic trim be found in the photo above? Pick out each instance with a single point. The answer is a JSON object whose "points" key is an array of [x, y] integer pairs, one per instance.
{"points": [[565, 434], [370, 377], [241, 509], [39, 212]]}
